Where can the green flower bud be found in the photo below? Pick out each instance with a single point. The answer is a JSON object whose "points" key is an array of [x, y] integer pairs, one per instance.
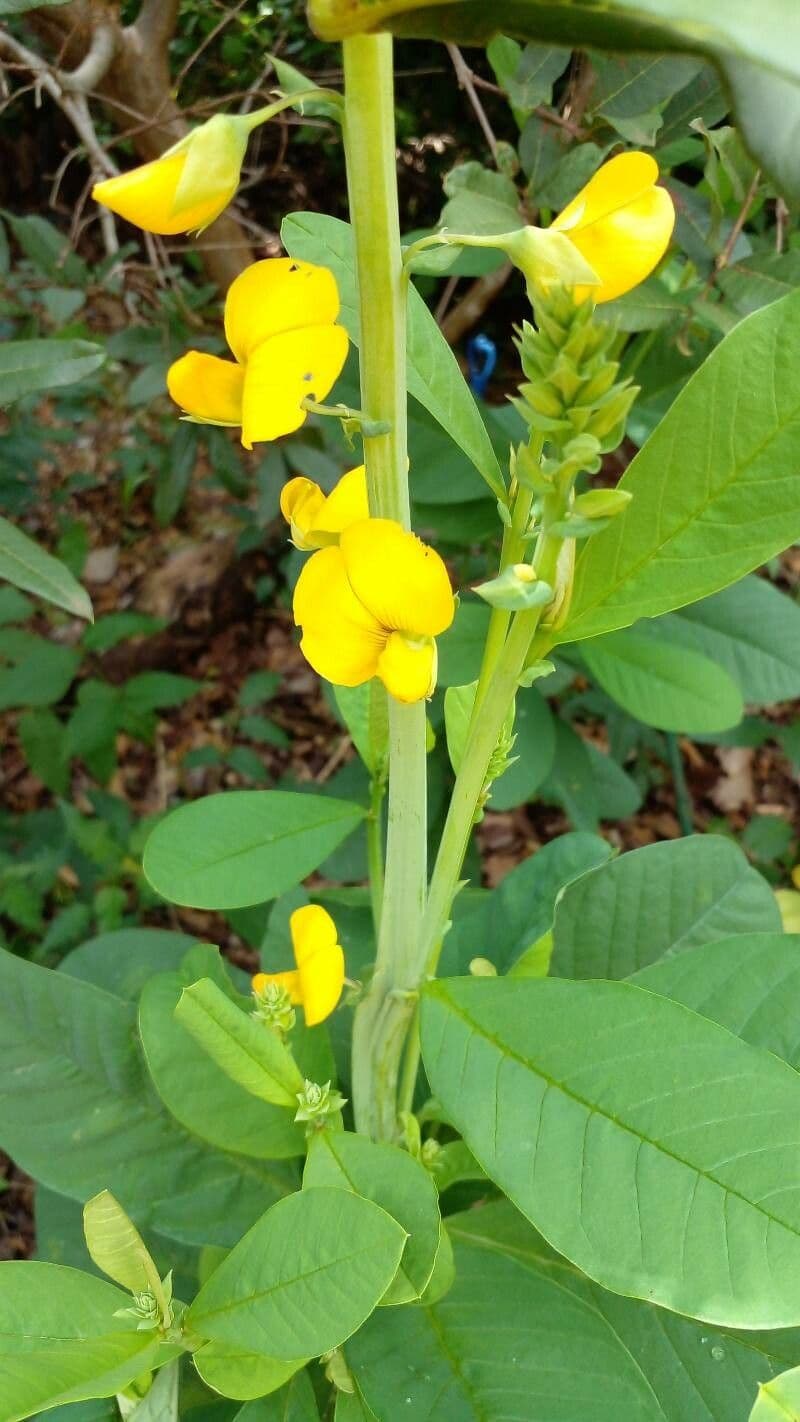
{"points": [[316, 1103], [601, 503]]}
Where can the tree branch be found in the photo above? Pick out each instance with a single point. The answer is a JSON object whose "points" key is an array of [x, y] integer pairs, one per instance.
{"points": [[155, 24]]}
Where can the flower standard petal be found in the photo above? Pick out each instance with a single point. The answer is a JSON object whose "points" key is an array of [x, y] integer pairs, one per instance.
{"points": [[145, 196], [317, 520], [301, 501], [341, 639], [620, 223], [402, 581], [346, 503], [207, 387], [284, 371], [320, 961], [278, 294], [407, 668]]}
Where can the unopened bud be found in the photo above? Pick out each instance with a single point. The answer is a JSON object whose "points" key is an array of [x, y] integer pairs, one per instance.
{"points": [[482, 968], [315, 1103], [273, 1007], [516, 589], [601, 503]]}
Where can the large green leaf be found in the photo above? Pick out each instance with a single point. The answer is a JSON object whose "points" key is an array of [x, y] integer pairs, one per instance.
{"points": [[294, 1403], [122, 962], [666, 687], [653, 1148], [60, 1341], [395, 1181], [434, 376], [27, 566], [256, 1060], [77, 1112], [303, 1278], [715, 488], [694, 1371], [751, 630], [506, 1344], [749, 984], [756, 48], [244, 846], [29, 366], [658, 901], [241, 1375]]}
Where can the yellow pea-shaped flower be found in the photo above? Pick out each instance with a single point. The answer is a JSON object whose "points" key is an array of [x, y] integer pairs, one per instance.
{"points": [[372, 605], [280, 323], [317, 519], [316, 982]]}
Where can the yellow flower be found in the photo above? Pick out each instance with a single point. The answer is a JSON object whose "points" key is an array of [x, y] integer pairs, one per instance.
{"points": [[621, 223], [279, 323], [318, 979], [188, 186], [317, 519], [371, 606]]}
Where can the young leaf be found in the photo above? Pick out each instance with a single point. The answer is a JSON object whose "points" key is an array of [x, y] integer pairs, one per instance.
{"points": [[614, 1120], [779, 1400], [250, 1054], [715, 488], [658, 901], [29, 366], [60, 1341], [234, 1373], [245, 846], [396, 1182], [27, 566], [305, 1277], [434, 376], [116, 1246]]}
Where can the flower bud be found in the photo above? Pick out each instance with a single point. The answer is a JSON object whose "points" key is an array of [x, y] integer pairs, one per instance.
{"points": [[515, 589], [188, 186], [316, 1103], [601, 503]]}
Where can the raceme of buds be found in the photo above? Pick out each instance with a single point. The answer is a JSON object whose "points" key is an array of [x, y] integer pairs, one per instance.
{"points": [[280, 323], [188, 186], [372, 605], [317, 980], [316, 1103], [317, 519], [571, 386], [273, 1007]]}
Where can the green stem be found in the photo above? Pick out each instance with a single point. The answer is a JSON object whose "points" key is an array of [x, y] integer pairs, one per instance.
{"points": [[254, 120], [513, 551], [375, 850], [382, 1017]]}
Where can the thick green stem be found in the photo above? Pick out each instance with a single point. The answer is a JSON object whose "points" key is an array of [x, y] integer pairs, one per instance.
{"points": [[382, 1017]]}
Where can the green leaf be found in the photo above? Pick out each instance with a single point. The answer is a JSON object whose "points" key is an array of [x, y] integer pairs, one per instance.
{"points": [[28, 566], [751, 630], [706, 508], [249, 1054], [245, 846], [304, 1277], [77, 1112], [395, 1181], [60, 1341], [658, 901], [294, 1403], [516, 914], [28, 366], [626, 86], [434, 376], [461, 646], [234, 1373], [673, 689], [755, 49], [204, 1099], [365, 712], [756, 280], [507, 1343], [43, 740], [694, 1371], [480, 201], [39, 672], [116, 1246], [649, 1145], [122, 962], [748, 984], [779, 1400]]}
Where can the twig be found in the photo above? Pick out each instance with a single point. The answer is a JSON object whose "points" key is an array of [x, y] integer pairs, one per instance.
{"points": [[466, 81], [736, 231], [445, 299], [781, 215], [474, 303], [205, 42], [683, 799]]}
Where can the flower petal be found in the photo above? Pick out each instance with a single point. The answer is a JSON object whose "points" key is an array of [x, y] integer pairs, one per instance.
{"points": [[614, 185], [277, 295], [284, 371], [145, 196], [402, 581], [289, 980], [408, 668], [301, 501], [627, 245], [320, 961], [207, 387], [346, 503], [341, 639]]}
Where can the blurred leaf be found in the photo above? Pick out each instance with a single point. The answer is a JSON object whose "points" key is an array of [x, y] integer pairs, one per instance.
{"points": [[29, 366], [27, 566], [37, 672]]}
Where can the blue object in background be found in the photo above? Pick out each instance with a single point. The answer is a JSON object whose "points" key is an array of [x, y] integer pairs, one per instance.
{"points": [[481, 361]]}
